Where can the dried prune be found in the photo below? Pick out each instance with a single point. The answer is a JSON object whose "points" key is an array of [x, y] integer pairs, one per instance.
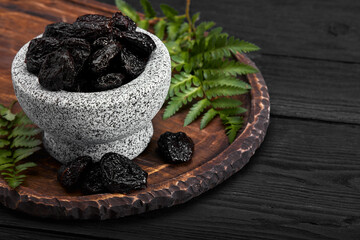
{"points": [[109, 81], [120, 174], [57, 71], [38, 49], [59, 30], [92, 182], [101, 59], [140, 43], [175, 147], [121, 22], [101, 42], [92, 18], [70, 173], [132, 65], [79, 49], [90, 31]]}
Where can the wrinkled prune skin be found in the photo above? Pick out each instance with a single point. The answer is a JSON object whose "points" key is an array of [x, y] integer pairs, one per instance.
{"points": [[122, 23], [59, 30], [57, 71], [175, 147], [120, 174], [79, 49], [90, 31], [101, 42], [140, 43], [131, 65], [71, 173], [102, 58], [92, 182], [38, 49], [109, 81], [93, 18]]}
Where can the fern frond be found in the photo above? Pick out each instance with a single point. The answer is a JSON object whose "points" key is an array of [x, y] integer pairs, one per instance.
{"points": [[224, 91], [227, 68], [160, 28], [233, 125], [208, 116], [3, 122], [232, 111], [225, 103], [173, 106], [5, 153], [173, 29], [148, 9], [23, 141], [168, 11], [24, 131], [4, 142], [4, 132], [179, 82], [21, 153], [22, 119], [196, 110], [22, 167], [7, 114], [229, 81]]}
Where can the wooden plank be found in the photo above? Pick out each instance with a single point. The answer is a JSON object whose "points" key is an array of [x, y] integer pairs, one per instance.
{"points": [[303, 183], [326, 29], [312, 89]]}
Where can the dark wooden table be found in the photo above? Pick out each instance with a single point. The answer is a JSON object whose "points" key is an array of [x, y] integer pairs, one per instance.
{"points": [[304, 181]]}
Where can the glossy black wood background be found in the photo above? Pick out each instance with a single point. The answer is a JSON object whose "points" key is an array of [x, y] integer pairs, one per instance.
{"points": [[304, 182]]}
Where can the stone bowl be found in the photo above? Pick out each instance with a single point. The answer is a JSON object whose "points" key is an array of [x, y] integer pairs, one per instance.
{"points": [[117, 120]]}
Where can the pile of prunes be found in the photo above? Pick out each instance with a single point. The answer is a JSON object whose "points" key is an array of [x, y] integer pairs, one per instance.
{"points": [[114, 173], [95, 53]]}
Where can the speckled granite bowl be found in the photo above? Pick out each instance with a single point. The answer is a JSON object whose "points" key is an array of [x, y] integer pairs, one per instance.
{"points": [[117, 120]]}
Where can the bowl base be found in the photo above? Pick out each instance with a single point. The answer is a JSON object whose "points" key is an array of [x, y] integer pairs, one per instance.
{"points": [[130, 146]]}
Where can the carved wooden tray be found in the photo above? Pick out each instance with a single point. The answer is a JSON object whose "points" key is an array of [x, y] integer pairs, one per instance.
{"points": [[214, 161]]}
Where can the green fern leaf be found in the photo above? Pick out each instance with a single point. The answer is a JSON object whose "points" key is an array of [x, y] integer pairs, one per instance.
{"points": [[208, 116], [3, 122], [229, 81], [227, 68], [4, 132], [22, 119], [5, 160], [7, 114], [173, 106], [5, 153], [4, 142], [6, 166], [202, 28], [127, 10], [24, 131], [23, 141], [173, 29], [22, 153], [225, 103], [160, 28], [144, 24], [168, 11], [148, 9], [232, 132], [196, 110], [233, 125], [189, 94], [22, 167], [179, 82], [224, 91], [232, 111]]}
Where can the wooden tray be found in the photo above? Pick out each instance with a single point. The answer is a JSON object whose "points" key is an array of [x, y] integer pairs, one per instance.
{"points": [[214, 161]]}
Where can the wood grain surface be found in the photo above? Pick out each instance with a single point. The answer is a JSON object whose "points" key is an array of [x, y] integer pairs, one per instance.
{"points": [[303, 183]]}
